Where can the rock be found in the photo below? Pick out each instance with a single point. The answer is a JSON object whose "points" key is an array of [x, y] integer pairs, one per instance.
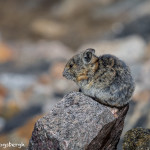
{"points": [[111, 132], [73, 123], [49, 28], [137, 138], [71, 116], [130, 49]]}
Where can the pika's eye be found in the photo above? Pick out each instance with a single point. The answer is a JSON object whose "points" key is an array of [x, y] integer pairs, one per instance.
{"points": [[71, 65]]}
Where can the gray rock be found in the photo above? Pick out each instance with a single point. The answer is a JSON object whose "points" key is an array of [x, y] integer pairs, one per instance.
{"points": [[71, 125]]}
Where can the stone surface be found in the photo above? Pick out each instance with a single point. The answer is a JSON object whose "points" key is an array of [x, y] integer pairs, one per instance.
{"points": [[71, 125], [137, 139], [109, 136]]}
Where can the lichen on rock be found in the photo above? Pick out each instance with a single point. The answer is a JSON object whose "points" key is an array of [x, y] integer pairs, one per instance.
{"points": [[137, 139]]}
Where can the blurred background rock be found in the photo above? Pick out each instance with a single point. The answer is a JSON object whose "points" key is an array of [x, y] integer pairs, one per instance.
{"points": [[38, 36]]}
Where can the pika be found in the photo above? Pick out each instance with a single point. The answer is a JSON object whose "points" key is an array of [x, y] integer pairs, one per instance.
{"points": [[106, 78]]}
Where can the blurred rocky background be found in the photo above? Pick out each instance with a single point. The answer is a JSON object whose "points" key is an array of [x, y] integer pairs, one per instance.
{"points": [[37, 37]]}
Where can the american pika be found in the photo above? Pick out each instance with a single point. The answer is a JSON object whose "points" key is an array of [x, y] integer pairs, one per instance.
{"points": [[106, 78]]}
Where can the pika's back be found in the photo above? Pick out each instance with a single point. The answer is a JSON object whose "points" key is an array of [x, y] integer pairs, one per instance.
{"points": [[112, 69]]}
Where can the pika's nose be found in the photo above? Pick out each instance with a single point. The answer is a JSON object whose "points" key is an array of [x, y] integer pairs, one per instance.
{"points": [[64, 72]]}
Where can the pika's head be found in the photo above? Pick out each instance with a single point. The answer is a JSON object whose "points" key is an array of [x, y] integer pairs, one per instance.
{"points": [[80, 66]]}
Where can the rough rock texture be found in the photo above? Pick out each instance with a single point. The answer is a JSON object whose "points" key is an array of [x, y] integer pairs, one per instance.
{"points": [[73, 123], [108, 137], [137, 139]]}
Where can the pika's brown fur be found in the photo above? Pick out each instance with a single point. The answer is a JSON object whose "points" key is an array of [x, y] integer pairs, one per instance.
{"points": [[106, 78]]}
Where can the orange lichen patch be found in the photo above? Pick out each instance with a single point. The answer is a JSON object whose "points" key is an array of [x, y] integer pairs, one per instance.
{"points": [[6, 53], [25, 131]]}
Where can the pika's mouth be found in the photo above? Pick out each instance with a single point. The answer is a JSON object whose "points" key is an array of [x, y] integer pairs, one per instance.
{"points": [[67, 75]]}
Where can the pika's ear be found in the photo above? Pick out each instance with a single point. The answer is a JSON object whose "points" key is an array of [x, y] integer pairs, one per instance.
{"points": [[87, 55], [108, 61], [111, 62]]}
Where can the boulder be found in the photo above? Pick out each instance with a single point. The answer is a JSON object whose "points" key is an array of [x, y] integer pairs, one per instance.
{"points": [[77, 122]]}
